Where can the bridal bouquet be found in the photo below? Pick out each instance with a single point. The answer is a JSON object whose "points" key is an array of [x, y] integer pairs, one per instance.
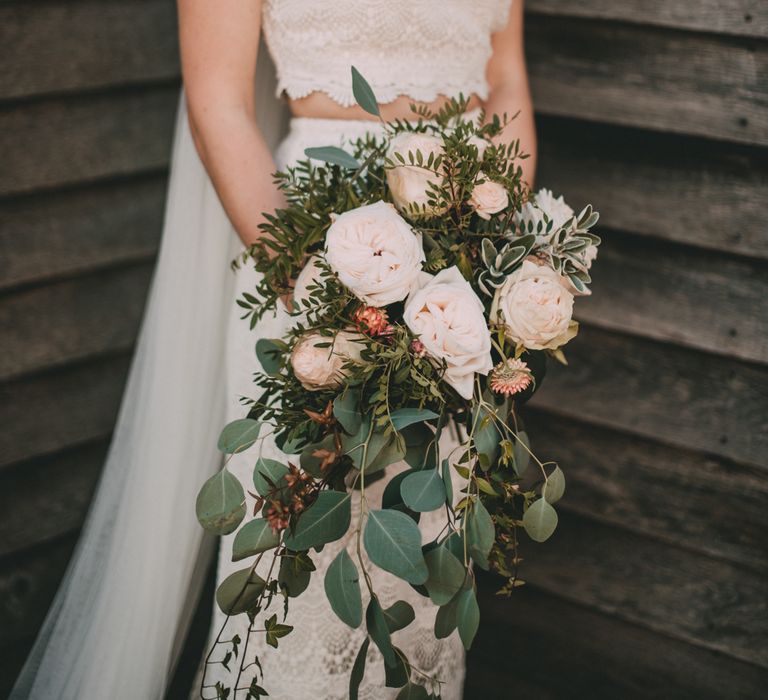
{"points": [[431, 290]]}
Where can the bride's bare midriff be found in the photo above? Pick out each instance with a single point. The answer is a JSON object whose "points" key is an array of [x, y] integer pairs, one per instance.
{"points": [[320, 106]]}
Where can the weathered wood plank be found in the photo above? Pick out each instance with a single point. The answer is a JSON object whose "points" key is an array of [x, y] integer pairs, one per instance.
{"points": [[60, 46], [52, 412], [65, 233], [706, 194], [740, 17], [28, 583], [92, 137], [681, 497], [678, 295], [560, 650], [709, 603], [650, 78], [673, 395], [72, 320], [47, 498]]}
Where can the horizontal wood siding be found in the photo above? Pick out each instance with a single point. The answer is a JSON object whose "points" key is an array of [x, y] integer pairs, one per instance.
{"points": [[654, 585]]}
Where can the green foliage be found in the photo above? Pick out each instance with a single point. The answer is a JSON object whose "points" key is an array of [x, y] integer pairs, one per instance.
{"points": [[554, 486], [481, 534], [275, 631], [393, 543], [239, 435], [398, 675], [342, 587], [267, 474], [254, 537], [333, 155], [423, 490], [403, 417], [358, 669], [295, 572], [540, 520], [220, 504], [446, 575], [378, 631], [239, 592], [398, 616], [363, 93], [270, 354], [467, 616], [324, 521]]}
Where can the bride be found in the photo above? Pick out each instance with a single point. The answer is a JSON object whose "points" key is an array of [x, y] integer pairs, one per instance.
{"points": [[120, 618]]}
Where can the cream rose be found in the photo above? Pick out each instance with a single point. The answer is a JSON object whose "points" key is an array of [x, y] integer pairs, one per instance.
{"points": [[322, 367], [409, 184], [556, 210], [375, 253], [445, 314], [488, 198], [535, 306]]}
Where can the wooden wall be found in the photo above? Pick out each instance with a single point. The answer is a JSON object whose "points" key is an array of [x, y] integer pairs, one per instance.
{"points": [[655, 111]]}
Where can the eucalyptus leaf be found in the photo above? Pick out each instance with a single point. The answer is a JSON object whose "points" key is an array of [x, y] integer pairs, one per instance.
{"points": [[446, 575], [398, 616], [447, 481], [346, 410], [423, 491], [326, 520], [333, 155], [445, 620], [312, 456], [418, 438], [363, 93], [267, 469], [342, 587], [393, 450], [486, 436], [467, 616], [554, 486], [403, 417], [294, 575], [398, 675], [269, 353], [412, 691], [220, 504], [481, 534], [522, 455], [393, 543], [254, 537], [358, 670], [540, 520], [239, 592], [378, 631], [239, 435]]}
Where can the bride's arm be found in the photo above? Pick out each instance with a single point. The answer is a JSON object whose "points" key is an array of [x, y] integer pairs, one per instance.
{"points": [[509, 91], [219, 45]]}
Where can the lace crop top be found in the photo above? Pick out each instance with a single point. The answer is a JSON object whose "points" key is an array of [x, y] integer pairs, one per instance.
{"points": [[418, 48]]}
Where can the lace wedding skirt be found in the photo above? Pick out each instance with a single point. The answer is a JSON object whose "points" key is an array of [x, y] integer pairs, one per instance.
{"points": [[316, 658]]}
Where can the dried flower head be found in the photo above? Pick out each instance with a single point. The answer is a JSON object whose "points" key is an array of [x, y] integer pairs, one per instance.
{"points": [[418, 348], [372, 321], [510, 377]]}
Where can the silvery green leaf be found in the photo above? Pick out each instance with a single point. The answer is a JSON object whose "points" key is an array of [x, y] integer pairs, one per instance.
{"points": [[239, 435], [540, 520], [334, 155], [554, 486], [220, 505]]}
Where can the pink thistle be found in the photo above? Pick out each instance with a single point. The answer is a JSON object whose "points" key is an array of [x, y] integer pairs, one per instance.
{"points": [[418, 348], [510, 377], [372, 321]]}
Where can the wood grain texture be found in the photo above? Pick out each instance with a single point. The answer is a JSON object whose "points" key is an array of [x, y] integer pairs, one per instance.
{"points": [[683, 189], [72, 320], [47, 498], [696, 501], [708, 603], [75, 405], [93, 137], [669, 394], [678, 295], [560, 650], [66, 233], [740, 17], [84, 44], [650, 78]]}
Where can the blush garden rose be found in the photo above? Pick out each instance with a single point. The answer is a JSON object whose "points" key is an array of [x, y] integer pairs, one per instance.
{"points": [[409, 184], [323, 367]]}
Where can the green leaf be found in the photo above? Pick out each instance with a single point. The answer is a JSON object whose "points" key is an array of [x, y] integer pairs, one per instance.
{"points": [[220, 505], [398, 675], [446, 575], [540, 520], [467, 616], [269, 469], [393, 543], [522, 455], [311, 463], [481, 534], [447, 481], [358, 670], [398, 616], [392, 451], [378, 631], [239, 592], [445, 620], [269, 353], [342, 586], [239, 435], [324, 521], [487, 436], [364, 93], [334, 155], [254, 537], [364, 446], [423, 491], [413, 692], [295, 572], [418, 438], [346, 410], [275, 630], [554, 486], [404, 417]]}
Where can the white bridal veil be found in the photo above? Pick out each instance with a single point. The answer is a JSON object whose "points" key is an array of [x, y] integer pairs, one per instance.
{"points": [[118, 621]]}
